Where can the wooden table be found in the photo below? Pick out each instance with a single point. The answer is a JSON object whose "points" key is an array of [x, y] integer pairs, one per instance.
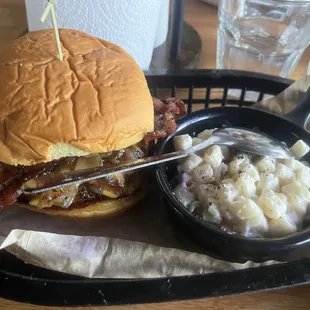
{"points": [[204, 19]]}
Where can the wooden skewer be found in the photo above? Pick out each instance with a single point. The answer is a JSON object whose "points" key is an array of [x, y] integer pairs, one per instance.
{"points": [[50, 9], [56, 31], [47, 10]]}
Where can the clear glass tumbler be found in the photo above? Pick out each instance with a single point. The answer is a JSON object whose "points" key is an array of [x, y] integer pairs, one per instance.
{"points": [[267, 36]]}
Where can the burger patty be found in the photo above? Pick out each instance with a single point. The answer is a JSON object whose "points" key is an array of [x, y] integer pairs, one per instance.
{"points": [[13, 177], [110, 187]]}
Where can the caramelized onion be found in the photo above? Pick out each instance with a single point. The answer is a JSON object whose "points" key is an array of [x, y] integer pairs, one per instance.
{"points": [[61, 197]]}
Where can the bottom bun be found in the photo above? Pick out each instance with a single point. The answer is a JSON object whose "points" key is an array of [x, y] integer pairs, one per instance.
{"points": [[101, 209]]}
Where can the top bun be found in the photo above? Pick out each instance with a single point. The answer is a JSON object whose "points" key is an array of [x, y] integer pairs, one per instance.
{"points": [[95, 100]]}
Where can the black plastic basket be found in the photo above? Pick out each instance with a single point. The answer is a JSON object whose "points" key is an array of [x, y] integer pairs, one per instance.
{"points": [[163, 84], [27, 283]]}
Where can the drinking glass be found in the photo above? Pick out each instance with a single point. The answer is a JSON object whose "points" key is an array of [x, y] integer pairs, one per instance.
{"points": [[266, 36]]}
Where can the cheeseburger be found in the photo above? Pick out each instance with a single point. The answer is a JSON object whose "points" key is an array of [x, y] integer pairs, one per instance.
{"points": [[92, 109]]}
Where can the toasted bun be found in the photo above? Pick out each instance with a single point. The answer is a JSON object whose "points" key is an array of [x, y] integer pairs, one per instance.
{"points": [[103, 209], [95, 100]]}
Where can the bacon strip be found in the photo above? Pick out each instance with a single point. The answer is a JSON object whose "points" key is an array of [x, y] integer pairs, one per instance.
{"points": [[15, 177], [165, 116]]}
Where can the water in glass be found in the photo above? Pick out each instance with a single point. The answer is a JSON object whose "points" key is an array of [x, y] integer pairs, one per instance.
{"points": [[266, 36]]}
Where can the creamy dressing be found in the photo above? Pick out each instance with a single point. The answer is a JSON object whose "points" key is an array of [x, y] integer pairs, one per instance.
{"points": [[250, 195]]}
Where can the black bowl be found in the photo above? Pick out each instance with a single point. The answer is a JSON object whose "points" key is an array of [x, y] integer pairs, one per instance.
{"points": [[232, 247]]}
